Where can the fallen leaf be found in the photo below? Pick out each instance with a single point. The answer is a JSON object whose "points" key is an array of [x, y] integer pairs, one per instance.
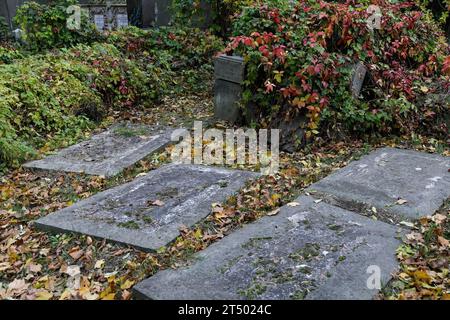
{"points": [[127, 285], [4, 266], [401, 201], [274, 212], [158, 203], [422, 275], [142, 174], [44, 295], [438, 218], [408, 224], [73, 270], [443, 242], [110, 296], [76, 254], [17, 285], [293, 204], [35, 268], [126, 295], [99, 264]]}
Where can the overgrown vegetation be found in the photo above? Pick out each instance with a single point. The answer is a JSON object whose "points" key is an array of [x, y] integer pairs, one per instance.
{"points": [[63, 91], [299, 62], [46, 26]]}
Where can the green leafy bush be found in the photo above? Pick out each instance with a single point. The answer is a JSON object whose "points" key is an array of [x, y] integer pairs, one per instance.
{"points": [[45, 26], [61, 92], [168, 52], [439, 10], [218, 15], [299, 62], [8, 54]]}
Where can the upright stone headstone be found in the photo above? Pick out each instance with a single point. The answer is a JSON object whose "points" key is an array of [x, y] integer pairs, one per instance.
{"points": [[229, 75], [358, 75], [99, 21], [122, 20]]}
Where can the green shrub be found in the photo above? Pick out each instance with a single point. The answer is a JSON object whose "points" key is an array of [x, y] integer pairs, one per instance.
{"points": [[57, 95], [299, 62], [169, 52], [218, 15], [4, 29], [8, 54], [45, 26]]}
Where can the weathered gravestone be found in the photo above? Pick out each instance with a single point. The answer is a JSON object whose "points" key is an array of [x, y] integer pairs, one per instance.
{"points": [[405, 183], [312, 251], [108, 153], [148, 212], [229, 74], [359, 72]]}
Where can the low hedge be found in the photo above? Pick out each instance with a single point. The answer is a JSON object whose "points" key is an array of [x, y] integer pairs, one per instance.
{"points": [[62, 92]]}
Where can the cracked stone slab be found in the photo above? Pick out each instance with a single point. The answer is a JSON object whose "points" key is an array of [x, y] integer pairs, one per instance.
{"points": [[388, 175], [149, 211], [109, 152], [309, 251]]}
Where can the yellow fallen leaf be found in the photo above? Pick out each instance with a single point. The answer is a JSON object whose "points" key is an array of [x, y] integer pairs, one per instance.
{"points": [[424, 89], [421, 275], [44, 295], [110, 296], [65, 295], [127, 285]]}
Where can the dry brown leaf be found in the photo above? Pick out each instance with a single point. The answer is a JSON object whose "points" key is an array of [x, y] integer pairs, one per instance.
{"points": [[443, 242], [35, 268]]}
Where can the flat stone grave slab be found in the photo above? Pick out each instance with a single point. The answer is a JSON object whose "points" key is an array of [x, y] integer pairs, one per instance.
{"points": [[309, 251], [405, 183], [109, 152], [148, 212]]}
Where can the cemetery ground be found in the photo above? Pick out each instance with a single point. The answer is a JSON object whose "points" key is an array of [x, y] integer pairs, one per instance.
{"points": [[144, 225], [38, 265]]}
